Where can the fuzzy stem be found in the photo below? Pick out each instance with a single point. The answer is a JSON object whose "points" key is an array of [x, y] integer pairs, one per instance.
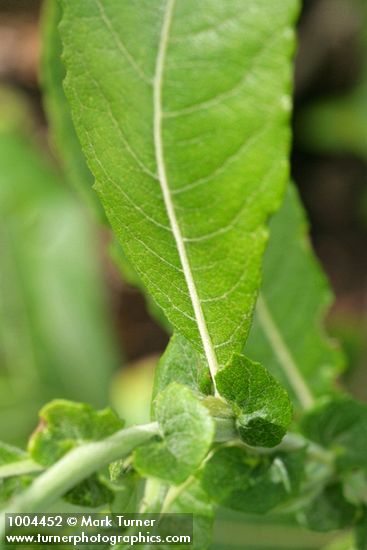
{"points": [[76, 466]]}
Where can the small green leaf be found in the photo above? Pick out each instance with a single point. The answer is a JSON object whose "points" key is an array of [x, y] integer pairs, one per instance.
{"points": [[236, 479], [341, 426], [261, 404], [183, 364], [65, 425], [329, 510], [187, 433]]}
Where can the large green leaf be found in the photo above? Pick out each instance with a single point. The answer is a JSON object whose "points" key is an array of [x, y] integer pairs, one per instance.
{"points": [[287, 335], [66, 142], [183, 112]]}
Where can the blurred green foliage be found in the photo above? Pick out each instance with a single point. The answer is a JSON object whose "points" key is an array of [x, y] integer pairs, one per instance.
{"points": [[272, 532], [55, 336], [338, 124]]}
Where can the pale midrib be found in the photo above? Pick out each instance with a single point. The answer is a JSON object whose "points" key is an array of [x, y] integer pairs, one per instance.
{"points": [[283, 354], [158, 142]]}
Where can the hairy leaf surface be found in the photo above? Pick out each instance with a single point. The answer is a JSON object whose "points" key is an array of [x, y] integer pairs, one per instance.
{"points": [[187, 433], [238, 480], [182, 108], [182, 363], [287, 334], [65, 424]]}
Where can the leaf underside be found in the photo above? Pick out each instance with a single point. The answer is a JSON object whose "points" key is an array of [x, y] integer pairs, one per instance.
{"points": [[182, 109]]}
